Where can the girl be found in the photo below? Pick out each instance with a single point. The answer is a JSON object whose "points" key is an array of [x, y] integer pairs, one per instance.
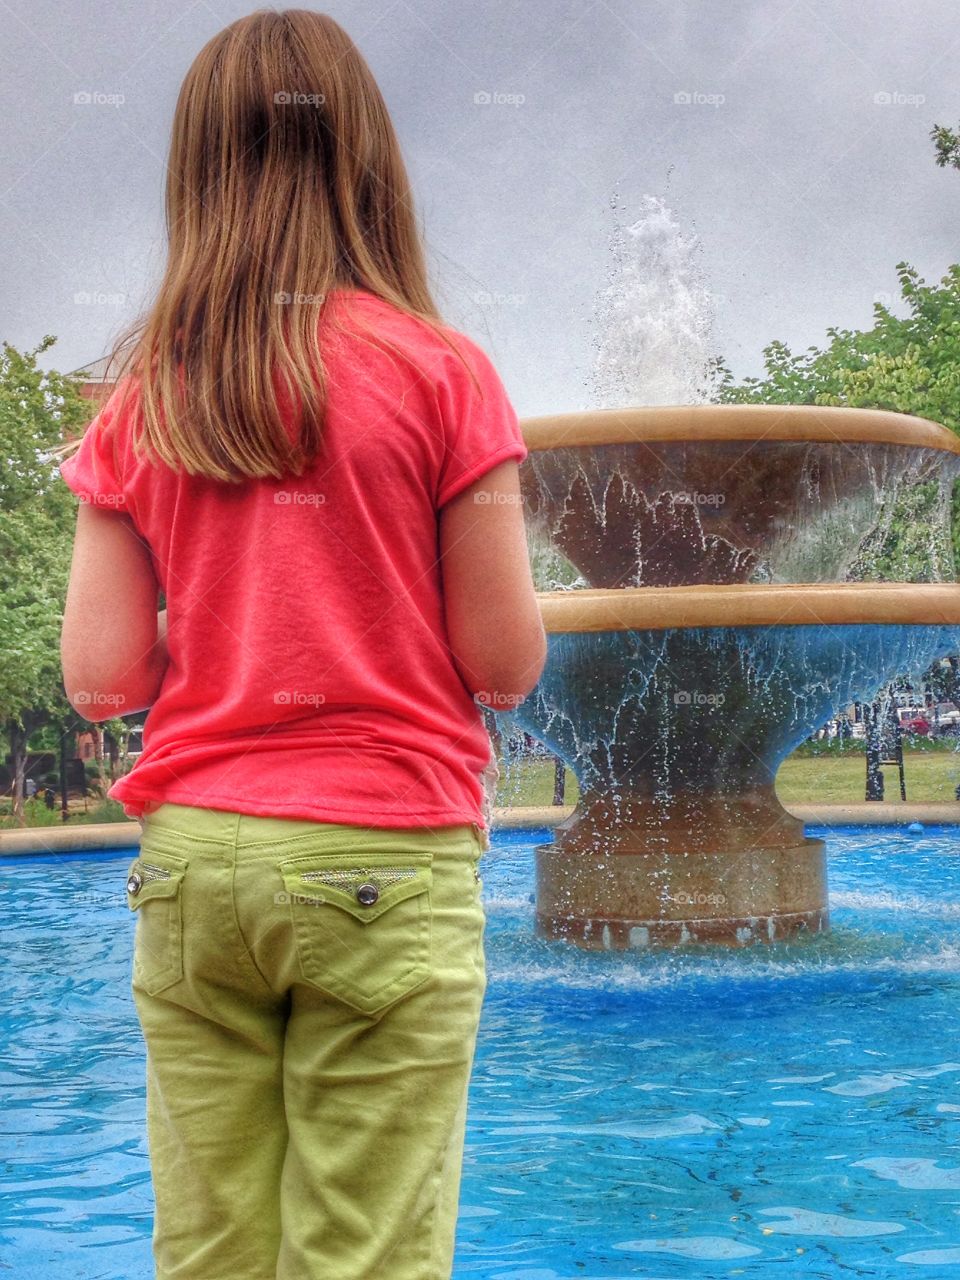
{"points": [[320, 476]]}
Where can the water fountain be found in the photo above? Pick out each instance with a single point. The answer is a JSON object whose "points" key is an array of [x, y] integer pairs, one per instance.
{"points": [[714, 633], [722, 610]]}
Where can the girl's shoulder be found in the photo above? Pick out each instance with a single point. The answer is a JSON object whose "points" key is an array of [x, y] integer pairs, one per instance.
{"points": [[436, 332], [448, 352]]}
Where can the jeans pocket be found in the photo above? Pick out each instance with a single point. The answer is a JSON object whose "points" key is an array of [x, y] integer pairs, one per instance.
{"points": [[154, 881], [361, 923]]}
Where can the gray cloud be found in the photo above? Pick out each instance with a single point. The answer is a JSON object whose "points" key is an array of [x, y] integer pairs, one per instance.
{"points": [[804, 189]]}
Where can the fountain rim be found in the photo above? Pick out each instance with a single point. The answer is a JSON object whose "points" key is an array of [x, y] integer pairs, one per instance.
{"points": [[710, 423], [750, 605]]}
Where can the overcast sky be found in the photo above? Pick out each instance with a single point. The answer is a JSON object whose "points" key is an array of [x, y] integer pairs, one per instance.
{"points": [[804, 189]]}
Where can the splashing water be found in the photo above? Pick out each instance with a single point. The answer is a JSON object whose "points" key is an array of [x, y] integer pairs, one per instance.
{"points": [[654, 339], [714, 707]]}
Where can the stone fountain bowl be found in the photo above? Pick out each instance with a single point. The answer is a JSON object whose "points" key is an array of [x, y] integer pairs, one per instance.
{"points": [[667, 496], [675, 707]]}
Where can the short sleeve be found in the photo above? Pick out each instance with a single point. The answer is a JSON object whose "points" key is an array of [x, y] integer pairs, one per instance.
{"points": [[480, 427], [94, 472]]}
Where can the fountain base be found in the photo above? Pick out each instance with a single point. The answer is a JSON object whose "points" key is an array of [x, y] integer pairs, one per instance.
{"points": [[696, 871]]}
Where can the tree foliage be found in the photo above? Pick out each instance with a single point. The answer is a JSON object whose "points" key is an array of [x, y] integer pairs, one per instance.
{"points": [[37, 514], [947, 146]]}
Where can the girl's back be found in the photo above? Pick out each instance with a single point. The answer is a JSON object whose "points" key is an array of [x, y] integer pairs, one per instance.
{"points": [[309, 672]]}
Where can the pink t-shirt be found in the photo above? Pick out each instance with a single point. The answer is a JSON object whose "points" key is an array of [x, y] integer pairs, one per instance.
{"points": [[309, 673]]}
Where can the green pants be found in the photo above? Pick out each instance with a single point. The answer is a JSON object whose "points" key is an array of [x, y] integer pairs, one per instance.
{"points": [[309, 995]]}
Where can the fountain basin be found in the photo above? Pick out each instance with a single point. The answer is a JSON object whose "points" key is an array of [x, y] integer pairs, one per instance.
{"points": [[636, 1066], [679, 495]]}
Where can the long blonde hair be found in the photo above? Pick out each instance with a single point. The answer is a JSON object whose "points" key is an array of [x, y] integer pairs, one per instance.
{"points": [[285, 182]]}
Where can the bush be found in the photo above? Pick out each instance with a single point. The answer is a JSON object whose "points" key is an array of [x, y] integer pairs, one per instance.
{"points": [[35, 814], [105, 811]]}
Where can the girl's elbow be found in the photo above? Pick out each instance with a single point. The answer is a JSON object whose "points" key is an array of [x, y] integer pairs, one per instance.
{"points": [[97, 694], [95, 698], [94, 712], [506, 682], [531, 667]]}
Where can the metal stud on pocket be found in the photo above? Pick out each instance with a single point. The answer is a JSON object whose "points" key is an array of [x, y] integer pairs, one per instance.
{"points": [[367, 894], [145, 871]]}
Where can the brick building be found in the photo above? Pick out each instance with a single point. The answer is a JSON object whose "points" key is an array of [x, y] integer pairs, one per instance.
{"points": [[94, 386]]}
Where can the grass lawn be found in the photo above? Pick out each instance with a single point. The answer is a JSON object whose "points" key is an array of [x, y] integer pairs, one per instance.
{"points": [[932, 777]]}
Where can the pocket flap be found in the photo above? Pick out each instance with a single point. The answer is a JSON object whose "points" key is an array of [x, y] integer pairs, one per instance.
{"points": [[366, 886], [153, 876]]}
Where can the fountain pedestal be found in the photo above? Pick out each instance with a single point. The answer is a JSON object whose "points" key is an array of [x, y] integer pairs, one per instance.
{"points": [[700, 867]]}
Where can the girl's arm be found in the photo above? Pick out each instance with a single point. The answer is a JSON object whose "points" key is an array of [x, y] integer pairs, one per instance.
{"points": [[493, 621], [113, 644]]}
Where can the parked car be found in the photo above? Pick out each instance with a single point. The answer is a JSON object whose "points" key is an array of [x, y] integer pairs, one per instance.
{"points": [[941, 719], [915, 723], [946, 718]]}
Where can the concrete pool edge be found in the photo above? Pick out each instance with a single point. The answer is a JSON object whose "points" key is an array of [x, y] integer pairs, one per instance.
{"points": [[872, 814], [126, 835]]}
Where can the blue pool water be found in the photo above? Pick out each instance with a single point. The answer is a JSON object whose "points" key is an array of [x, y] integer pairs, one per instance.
{"points": [[779, 1111]]}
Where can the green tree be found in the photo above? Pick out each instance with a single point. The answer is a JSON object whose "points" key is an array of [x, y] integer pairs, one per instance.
{"points": [[37, 515], [947, 144]]}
